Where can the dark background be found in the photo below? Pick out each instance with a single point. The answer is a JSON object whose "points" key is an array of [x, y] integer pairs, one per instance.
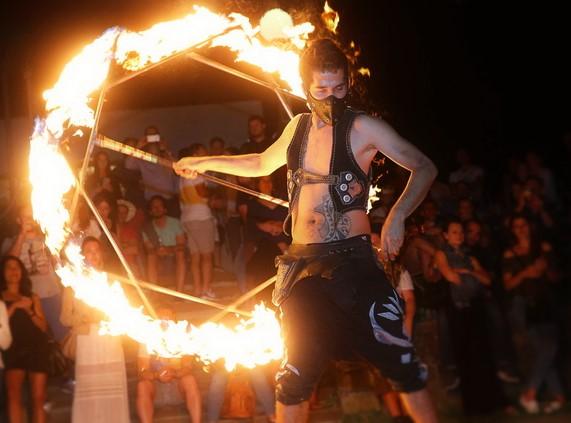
{"points": [[487, 75]]}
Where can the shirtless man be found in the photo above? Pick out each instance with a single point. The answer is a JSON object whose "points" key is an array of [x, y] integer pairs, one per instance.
{"points": [[334, 296]]}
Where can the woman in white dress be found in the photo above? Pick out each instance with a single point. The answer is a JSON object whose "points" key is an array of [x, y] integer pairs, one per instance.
{"points": [[100, 377]]}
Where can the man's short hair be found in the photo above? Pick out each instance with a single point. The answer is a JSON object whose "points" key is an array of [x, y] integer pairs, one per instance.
{"points": [[158, 197], [151, 129], [258, 118], [215, 140], [322, 55]]}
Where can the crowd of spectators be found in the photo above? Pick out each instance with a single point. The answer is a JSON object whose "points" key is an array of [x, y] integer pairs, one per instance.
{"points": [[488, 268]]}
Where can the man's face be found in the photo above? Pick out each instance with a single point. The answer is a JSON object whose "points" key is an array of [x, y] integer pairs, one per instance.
{"points": [[326, 83], [157, 209], [122, 213], [256, 128], [93, 254], [473, 233], [104, 209], [454, 235], [217, 148], [26, 219], [201, 152]]}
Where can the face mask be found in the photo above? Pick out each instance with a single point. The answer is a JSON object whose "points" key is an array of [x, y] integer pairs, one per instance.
{"points": [[329, 110], [153, 138]]}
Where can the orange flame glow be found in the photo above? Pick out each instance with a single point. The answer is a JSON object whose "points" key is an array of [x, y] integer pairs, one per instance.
{"points": [[330, 17]]}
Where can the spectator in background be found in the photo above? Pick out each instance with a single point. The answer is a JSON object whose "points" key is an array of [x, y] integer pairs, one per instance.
{"points": [[465, 210], [102, 179], [130, 222], [100, 394], [417, 256], [528, 273], [27, 356], [199, 225], [106, 206], [30, 248], [217, 388], [430, 222], [217, 146], [531, 203], [264, 232], [130, 179], [166, 381], [258, 140], [468, 173], [157, 180], [85, 223], [5, 342], [479, 246], [480, 390], [536, 168], [164, 240]]}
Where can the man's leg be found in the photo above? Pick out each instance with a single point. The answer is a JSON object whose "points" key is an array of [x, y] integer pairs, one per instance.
{"points": [[419, 406], [309, 323], [380, 338], [145, 398], [189, 390], [298, 413]]}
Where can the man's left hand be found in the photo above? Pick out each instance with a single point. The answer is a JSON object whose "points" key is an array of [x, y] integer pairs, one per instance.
{"points": [[392, 235]]}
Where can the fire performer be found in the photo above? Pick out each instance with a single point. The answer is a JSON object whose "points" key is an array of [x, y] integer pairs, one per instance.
{"points": [[334, 296]]}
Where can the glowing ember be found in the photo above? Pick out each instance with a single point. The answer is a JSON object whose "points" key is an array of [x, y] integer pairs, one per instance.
{"points": [[330, 17], [373, 196]]}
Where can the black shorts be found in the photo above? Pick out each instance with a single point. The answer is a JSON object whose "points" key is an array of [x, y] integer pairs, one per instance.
{"points": [[351, 311]]}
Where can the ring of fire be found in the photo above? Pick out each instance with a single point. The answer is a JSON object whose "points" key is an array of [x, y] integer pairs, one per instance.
{"points": [[252, 342]]}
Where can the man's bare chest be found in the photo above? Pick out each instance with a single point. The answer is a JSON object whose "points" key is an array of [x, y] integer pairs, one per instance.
{"points": [[319, 149]]}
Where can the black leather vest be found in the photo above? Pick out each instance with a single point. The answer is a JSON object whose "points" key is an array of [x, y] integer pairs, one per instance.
{"points": [[348, 184]]}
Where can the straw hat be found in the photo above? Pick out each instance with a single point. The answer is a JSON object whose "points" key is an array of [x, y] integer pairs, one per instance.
{"points": [[131, 209]]}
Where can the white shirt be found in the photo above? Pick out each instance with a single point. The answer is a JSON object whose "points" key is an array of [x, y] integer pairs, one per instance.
{"points": [[405, 282], [5, 334]]}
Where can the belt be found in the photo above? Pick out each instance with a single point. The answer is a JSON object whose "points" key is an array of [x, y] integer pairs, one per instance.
{"points": [[344, 246]]}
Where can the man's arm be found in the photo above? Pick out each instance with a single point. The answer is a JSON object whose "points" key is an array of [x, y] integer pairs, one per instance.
{"points": [[252, 165], [378, 135]]}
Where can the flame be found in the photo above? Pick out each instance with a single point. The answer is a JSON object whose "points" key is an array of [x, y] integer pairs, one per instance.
{"points": [[373, 196], [254, 341], [250, 343], [330, 17], [364, 72]]}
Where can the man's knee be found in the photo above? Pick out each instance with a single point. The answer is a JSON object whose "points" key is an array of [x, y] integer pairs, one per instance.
{"points": [[145, 389], [411, 378], [291, 388]]}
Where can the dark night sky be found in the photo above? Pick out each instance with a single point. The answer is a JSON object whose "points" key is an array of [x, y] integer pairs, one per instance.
{"points": [[444, 72]]}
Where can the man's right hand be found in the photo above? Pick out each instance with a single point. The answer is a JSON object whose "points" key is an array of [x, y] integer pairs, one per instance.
{"points": [[188, 167]]}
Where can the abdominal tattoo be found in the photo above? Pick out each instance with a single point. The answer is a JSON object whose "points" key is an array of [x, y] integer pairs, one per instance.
{"points": [[335, 225]]}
